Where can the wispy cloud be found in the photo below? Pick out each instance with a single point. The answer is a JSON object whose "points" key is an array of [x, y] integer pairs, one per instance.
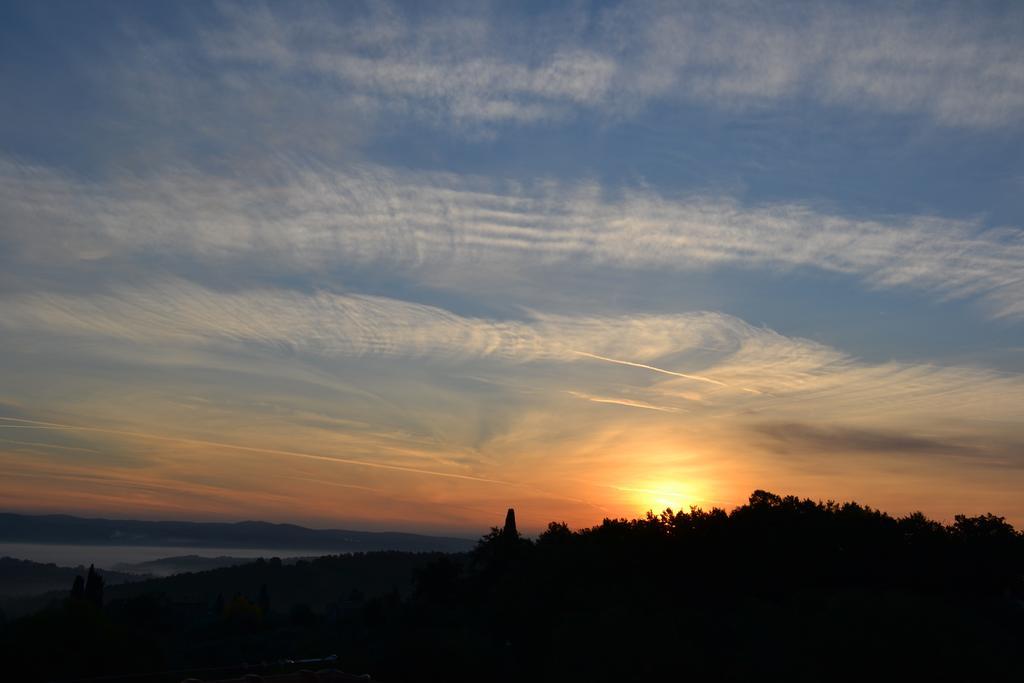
{"points": [[713, 361], [54, 426], [328, 324], [955, 67], [549, 416], [436, 223], [266, 264], [829, 440]]}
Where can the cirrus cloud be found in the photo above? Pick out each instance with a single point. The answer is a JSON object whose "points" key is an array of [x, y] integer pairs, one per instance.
{"points": [[484, 66], [317, 219]]}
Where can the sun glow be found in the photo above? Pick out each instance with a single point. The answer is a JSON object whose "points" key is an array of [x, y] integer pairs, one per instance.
{"points": [[659, 495]]}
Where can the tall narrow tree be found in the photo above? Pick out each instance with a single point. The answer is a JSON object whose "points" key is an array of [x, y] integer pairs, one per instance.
{"points": [[94, 587], [78, 588], [510, 530]]}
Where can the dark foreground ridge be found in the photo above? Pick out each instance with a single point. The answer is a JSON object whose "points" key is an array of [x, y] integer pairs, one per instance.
{"points": [[778, 588]]}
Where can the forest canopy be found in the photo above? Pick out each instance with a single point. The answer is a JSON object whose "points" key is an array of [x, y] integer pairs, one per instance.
{"points": [[778, 586]]}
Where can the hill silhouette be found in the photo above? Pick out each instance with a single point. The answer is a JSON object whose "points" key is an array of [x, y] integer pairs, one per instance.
{"points": [[26, 578], [15, 528], [781, 587]]}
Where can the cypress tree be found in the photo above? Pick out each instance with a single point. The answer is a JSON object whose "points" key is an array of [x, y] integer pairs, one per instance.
{"points": [[509, 531], [78, 588], [94, 587]]}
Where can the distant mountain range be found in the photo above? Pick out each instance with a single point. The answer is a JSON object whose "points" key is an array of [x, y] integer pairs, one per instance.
{"points": [[66, 529], [179, 564]]}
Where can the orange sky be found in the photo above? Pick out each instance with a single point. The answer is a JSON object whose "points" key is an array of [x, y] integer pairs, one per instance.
{"points": [[403, 266]]}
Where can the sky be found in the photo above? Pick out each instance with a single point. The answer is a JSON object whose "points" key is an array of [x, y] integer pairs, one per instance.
{"points": [[402, 266]]}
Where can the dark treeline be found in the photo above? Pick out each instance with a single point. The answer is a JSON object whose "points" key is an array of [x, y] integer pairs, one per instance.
{"points": [[780, 587], [24, 578]]}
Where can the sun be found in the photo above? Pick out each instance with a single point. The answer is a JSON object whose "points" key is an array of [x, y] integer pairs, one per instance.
{"points": [[659, 495]]}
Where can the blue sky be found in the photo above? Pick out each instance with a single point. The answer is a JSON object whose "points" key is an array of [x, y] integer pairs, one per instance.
{"points": [[587, 259]]}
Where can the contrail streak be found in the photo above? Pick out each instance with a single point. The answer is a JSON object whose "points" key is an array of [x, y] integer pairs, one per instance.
{"points": [[255, 449], [46, 445], [696, 378], [623, 402], [39, 424]]}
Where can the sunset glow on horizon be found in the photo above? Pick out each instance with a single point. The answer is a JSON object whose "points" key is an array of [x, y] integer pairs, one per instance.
{"points": [[389, 266]]}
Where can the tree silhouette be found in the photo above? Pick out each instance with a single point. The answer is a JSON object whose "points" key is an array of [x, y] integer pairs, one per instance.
{"points": [[78, 588], [242, 612], [264, 600], [778, 588], [509, 530], [218, 606], [793, 584], [93, 591]]}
